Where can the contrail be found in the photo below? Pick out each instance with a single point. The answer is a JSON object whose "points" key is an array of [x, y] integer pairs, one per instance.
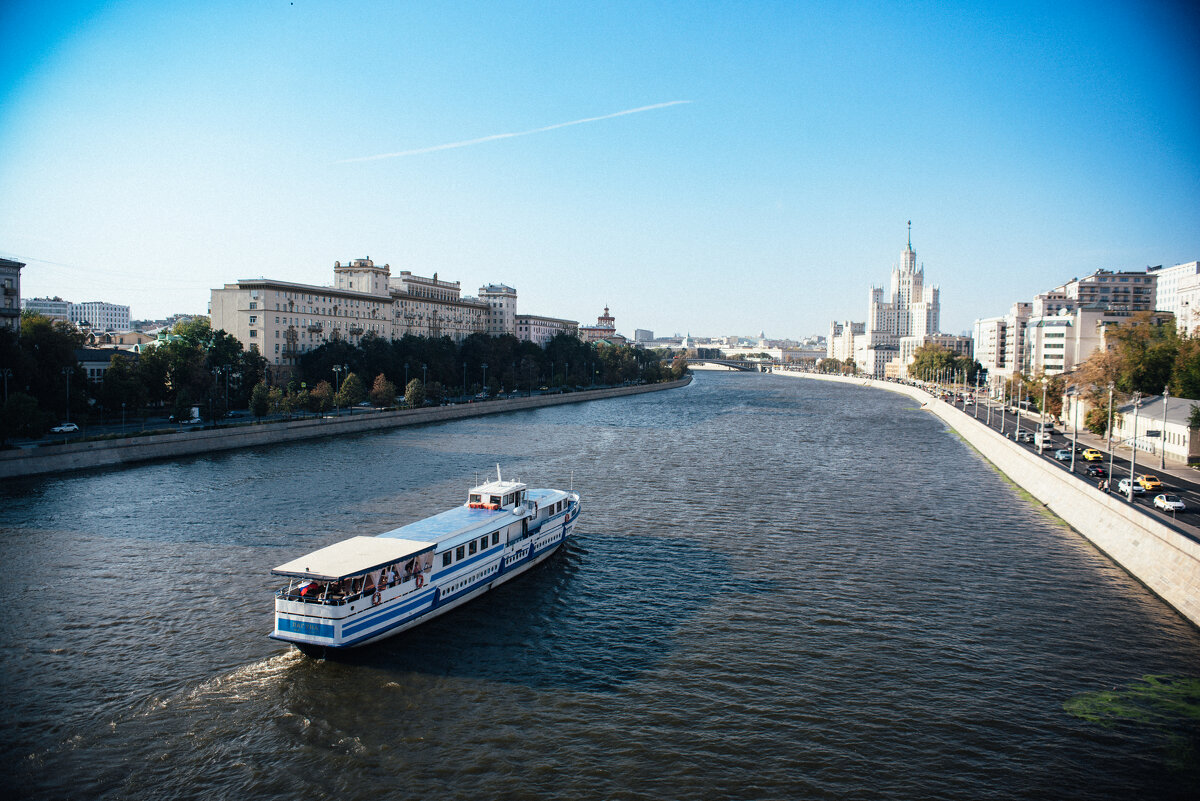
{"points": [[494, 137]]}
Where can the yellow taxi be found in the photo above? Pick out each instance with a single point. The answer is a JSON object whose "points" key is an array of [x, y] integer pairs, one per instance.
{"points": [[1149, 482], [1092, 455]]}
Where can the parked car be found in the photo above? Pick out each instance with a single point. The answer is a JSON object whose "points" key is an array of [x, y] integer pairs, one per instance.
{"points": [[1062, 455], [1123, 488], [65, 428], [1169, 503], [1148, 482], [1093, 455], [1097, 471]]}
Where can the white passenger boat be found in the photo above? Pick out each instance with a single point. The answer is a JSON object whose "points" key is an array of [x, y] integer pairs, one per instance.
{"points": [[366, 588]]}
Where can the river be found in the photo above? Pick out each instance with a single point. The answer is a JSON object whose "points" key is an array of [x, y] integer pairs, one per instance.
{"points": [[779, 589]]}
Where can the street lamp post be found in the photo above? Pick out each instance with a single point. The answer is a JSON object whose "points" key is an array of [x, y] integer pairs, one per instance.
{"points": [[1017, 398], [484, 366], [1137, 401], [406, 376], [122, 418], [1074, 425], [1162, 435], [7, 373], [67, 372], [1108, 430], [337, 386], [424, 381], [975, 399], [1042, 417]]}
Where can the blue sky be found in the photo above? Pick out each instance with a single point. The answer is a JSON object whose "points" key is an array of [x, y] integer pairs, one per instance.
{"points": [[150, 151]]}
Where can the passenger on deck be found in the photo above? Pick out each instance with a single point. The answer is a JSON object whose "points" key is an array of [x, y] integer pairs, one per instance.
{"points": [[392, 576]]}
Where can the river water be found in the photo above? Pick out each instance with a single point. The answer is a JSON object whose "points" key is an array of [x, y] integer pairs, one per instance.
{"points": [[780, 589]]}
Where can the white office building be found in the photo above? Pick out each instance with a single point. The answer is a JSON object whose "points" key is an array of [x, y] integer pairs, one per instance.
{"points": [[100, 316], [1172, 284]]}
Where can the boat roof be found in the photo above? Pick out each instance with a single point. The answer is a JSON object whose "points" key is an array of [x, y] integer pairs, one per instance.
{"points": [[461, 520], [352, 557], [498, 487]]}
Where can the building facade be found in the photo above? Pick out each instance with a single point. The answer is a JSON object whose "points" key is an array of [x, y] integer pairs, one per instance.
{"points": [[502, 308], [1174, 285], [605, 329], [540, 330], [55, 308], [10, 294], [100, 316]]}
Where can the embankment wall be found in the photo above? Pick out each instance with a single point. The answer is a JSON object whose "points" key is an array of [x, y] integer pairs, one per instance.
{"points": [[1163, 559], [106, 453]]}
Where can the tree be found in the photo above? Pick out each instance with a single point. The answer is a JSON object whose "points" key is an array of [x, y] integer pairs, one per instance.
{"points": [[321, 397], [260, 399], [414, 394], [352, 391], [21, 417], [383, 393]]}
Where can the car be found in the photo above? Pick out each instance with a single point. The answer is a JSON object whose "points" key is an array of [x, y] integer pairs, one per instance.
{"points": [[1062, 455], [65, 428], [1097, 471], [364, 405], [1169, 503], [1092, 455], [1123, 488], [482, 395], [1024, 436], [1148, 482]]}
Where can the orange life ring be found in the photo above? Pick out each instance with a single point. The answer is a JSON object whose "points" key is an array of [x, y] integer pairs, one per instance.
{"points": [[376, 598], [420, 581]]}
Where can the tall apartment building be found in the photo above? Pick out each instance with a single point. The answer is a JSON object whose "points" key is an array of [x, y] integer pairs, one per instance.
{"points": [[999, 342], [502, 308], [10, 294], [1061, 342], [100, 316]]}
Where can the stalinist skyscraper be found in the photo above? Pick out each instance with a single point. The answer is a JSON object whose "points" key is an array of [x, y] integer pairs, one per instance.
{"points": [[910, 309]]}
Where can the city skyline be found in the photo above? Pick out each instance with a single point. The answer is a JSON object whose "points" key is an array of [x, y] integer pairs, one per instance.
{"points": [[752, 168]]}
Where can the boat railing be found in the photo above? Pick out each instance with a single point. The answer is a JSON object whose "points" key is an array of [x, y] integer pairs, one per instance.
{"points": [[407, 585]]}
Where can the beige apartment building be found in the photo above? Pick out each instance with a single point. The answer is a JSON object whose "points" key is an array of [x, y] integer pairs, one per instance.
{"points": [[283, 320], [540, 330]]}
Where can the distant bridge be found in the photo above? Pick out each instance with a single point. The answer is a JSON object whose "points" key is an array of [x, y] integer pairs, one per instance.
{"points": [[732, 364]]}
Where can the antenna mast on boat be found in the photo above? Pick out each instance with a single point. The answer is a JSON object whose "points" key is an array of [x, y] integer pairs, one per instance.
{"points": [[498, 478]]}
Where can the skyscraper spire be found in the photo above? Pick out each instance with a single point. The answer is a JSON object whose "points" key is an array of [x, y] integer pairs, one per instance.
{"points": [[910, 234]]}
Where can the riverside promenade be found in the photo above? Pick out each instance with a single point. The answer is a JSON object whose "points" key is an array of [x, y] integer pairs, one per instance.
{"points": [[172, 445], [1161, 558]]}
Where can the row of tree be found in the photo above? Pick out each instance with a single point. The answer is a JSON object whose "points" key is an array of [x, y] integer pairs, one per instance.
{"points": [[196, 366]]}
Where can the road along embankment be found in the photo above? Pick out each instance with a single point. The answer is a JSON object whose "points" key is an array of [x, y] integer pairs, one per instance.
{"points": [[1164, 560], [109, 452]]}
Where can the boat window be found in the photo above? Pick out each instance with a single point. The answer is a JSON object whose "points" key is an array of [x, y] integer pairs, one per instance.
{"points": [[471, 547], [496, 499], [495, 538], [476, 497], [483, 543], [447, 558], [460, 552]]}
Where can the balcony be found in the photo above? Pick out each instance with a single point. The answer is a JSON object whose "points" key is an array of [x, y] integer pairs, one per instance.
{"points": [[316, 328], [356, 330]]}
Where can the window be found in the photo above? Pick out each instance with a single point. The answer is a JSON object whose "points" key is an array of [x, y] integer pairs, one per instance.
{"points": [[495, 538], [253, 333], [253, 305], [253, 319], [447, 558], [483, 543], [460, 552], [471, 547]]}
